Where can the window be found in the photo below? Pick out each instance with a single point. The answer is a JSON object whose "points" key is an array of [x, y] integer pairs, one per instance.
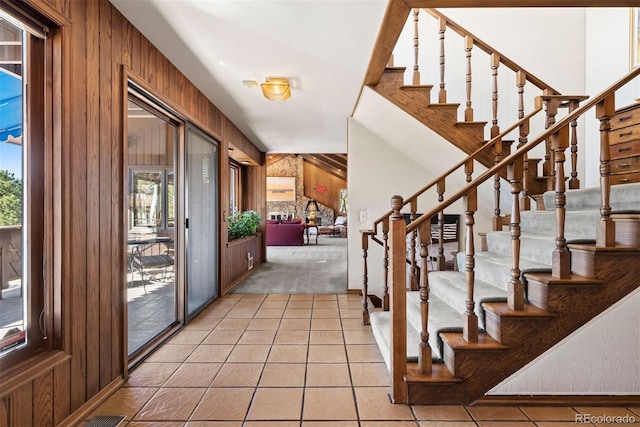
{"points": [[22, 177], [235, 187]]}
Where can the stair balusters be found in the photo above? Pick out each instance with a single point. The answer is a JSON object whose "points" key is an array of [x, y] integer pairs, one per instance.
{"points": [[442, 94], [398, 301], [442, 263], [416, 42], [385, 264], [495, 63], [470, 328], [561, 259], [497, 220], [515, 296], [574, 182], [365, 276], [424, 355], [468, 47], [605, 227], [413, 284]]}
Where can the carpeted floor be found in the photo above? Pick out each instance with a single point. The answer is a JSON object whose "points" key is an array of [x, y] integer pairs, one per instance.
{"points": [[308, 269]]}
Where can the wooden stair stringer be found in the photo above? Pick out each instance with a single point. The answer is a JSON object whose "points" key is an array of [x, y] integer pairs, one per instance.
{"points": [[526, 335], [440, 118]]}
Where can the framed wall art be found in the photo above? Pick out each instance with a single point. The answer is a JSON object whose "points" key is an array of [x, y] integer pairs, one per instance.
{"points": [[281, 189]]}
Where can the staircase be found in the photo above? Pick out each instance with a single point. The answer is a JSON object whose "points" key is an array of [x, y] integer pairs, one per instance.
{"points": [[448, 337]]}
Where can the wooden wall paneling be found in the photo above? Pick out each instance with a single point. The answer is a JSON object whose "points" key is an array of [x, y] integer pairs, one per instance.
{"points": [[93, 188], [108, 286], [77, 103], [20, 406], [136, 54], [61, 396], [223, 168], [144, 59], [314, 177], [43, 400]]}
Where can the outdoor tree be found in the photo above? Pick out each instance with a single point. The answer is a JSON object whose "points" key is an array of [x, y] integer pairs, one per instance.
{"points": [[10, 199]]}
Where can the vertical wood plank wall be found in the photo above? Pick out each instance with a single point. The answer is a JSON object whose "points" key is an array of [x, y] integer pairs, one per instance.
{"points": [[98, 46]]}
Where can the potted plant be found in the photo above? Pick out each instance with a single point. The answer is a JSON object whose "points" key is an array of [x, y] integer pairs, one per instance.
{"points": [[242, 224]]}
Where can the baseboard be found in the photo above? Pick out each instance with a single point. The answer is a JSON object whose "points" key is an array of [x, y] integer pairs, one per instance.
{"points": [[83, 412], [551, 400]]}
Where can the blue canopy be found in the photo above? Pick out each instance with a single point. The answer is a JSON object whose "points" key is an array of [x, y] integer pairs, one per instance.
{"points": [[10, 106]]}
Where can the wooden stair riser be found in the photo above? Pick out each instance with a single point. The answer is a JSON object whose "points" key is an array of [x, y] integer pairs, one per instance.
{"points": [[419, 93], [509, 330], [604, 263], [464, 361], [392, 77], [627, 230], [553, 296], [473, 129]]}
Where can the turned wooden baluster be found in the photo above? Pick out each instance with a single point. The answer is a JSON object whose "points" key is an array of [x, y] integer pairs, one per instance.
{"points": [[442, 262], [497, 156], [605, 227], [413, 283], [561, 260], [521, 80], [442, 94], [548, 167], [574, 182], [468, 46], [385, 264], [398, 302], [515, 296], [424, 356], [495, 63], [364, 234], [416, 41], [470, 327]]}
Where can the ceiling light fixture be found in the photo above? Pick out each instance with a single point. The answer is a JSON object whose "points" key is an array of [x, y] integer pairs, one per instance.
{"points": [[276, 89]]}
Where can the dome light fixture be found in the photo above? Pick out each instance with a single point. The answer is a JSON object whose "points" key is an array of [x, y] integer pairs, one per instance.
{"points": [[276, 89]]}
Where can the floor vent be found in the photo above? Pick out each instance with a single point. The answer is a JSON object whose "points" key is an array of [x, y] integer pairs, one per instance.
{"points": [[106, 421]]}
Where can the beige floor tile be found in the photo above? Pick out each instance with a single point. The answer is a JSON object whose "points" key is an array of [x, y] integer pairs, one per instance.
{"points": [[352, 324], [125, 401], [257, 337], [300, 304], [319, 304], [187, 336], [151, 374], [295, 325], [202, 323], [283, 375], [635, 411], [172, 353], [171, 404], [212, 424], [325, 297], [238, 375], [351, 313], [447, 424], [210, 353], [441, 412], [506, 424], [326, 337], [288, 354], [269, 313], [301, 297], [249, 353], [601, 411], [388, 424], [501, 413], [264, 325], [291, 337], [218, 336], [364, 353], [332, 403], [359, 337], [369, 374], [319, 324], [193, 375], [155, 424], [276, 404], [328, 375], [374, 404], [241, 313], [223, 404], [233, 324], [271, 424], [561, 424], [253, 297], [277, 297], [549, 413], [297, 313], [329, 424], [325, 313], [281, 304], [216, 311], [327, 354]]}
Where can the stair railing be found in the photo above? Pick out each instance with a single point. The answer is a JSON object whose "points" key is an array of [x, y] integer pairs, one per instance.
{"points": [[558, 135]]}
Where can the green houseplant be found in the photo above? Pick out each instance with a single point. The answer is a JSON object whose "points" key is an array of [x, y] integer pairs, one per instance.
{"points": [[242, 224]]}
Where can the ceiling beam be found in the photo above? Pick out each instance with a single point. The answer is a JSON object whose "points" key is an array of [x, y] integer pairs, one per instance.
{"points": [[316, 161]]}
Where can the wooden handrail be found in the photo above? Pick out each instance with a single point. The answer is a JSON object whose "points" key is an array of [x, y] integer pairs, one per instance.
{"points": [[490, 50], [471, 156], [565, 121]]}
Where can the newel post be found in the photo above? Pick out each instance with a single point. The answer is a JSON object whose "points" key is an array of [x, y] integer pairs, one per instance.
{"points": [[397, 303]]}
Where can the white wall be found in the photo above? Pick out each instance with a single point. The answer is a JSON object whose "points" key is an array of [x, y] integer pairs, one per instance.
{"points": [[601, 358]]}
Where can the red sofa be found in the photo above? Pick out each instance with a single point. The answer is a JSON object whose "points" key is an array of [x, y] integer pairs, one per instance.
{"points": [[285, 233]]}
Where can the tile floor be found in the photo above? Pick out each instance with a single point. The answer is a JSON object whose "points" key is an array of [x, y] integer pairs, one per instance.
{"points": [[293, 360]]}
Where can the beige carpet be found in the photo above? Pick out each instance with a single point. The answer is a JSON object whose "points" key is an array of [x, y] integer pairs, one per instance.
{"points": [[308, 269]]}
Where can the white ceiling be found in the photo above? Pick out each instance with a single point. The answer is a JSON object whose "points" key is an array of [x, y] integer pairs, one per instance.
{"points": [[322, 46]]}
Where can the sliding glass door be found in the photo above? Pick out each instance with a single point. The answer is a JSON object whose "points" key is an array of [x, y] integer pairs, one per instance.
{"points": [[202, 235]]}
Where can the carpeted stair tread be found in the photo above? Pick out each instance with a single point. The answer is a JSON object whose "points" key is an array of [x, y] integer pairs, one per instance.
{"points": [[495, 268], [451, 288], [380, 325], [622, 197]]}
